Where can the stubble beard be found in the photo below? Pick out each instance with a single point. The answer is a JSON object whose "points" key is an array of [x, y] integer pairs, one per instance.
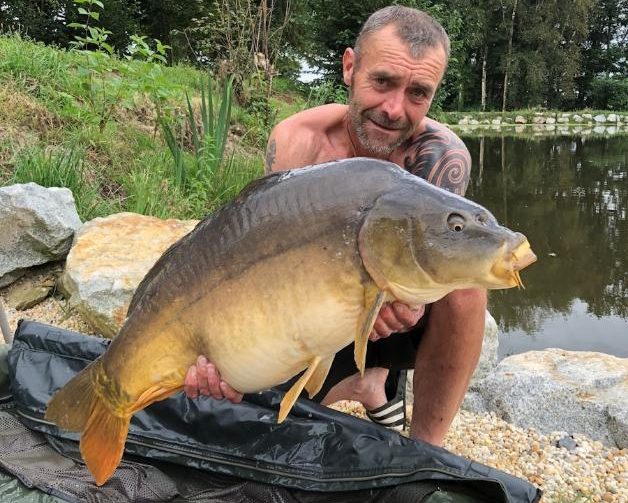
{"points": [[373, 147]]}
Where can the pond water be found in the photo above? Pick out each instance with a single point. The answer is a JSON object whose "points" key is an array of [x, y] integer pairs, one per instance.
{"points": [[569, 196]]}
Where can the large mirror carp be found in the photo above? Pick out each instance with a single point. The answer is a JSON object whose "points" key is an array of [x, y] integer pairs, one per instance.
{"points": [[279, 280]]}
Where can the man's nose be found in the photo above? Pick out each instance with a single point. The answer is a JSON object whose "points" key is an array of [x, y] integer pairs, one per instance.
{"points": [[394, 105]]}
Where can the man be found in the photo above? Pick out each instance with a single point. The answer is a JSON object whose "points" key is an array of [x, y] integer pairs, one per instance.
{"points": [[392, 73]]}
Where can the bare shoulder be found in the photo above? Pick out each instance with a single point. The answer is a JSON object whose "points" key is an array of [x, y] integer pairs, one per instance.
{"points": [[438, 155], [298, 140]]}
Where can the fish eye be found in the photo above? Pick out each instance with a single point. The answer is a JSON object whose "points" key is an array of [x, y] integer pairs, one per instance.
{"points": [[455, 222]]}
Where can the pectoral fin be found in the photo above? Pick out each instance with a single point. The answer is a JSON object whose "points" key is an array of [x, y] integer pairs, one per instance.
{"points": [[293, 393], [373, 300]]}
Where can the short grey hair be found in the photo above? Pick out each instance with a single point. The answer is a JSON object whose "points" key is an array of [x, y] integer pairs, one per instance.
{"points": [[416, 28]]}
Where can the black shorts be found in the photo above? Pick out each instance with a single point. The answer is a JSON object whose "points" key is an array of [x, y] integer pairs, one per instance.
{"points": [[396, 352]]}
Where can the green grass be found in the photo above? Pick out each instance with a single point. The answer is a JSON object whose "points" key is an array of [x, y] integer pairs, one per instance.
{"points": [[53, 136]]}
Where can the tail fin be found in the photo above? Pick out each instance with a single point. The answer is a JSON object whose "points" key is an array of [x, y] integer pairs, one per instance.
{"points": [[102, 442], [77, 407], [71, 406]]}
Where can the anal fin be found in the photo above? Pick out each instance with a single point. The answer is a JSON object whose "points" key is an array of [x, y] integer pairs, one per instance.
{"points": [[293, 393], [154, 394], [373, 301]]}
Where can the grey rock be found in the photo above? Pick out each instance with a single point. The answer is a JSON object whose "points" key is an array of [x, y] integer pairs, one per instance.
{"points": [[474, 402], [12, 277], [488, 355], [37, 225], [567, 442], [27, 296], [520, 119], [577, 118], [600, 118], [612, 118], [576, 392]]}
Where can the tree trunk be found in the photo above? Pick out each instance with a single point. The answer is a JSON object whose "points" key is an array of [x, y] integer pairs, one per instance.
{"points": [[509, 56], [483, 99], [481, 162]]}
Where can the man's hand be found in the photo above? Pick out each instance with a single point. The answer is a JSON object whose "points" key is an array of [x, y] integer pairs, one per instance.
{"points": [[204, 379], [395, 317]]}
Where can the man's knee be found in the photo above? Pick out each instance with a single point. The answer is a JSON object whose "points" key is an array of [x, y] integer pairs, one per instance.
{"points": [[471, 301]]}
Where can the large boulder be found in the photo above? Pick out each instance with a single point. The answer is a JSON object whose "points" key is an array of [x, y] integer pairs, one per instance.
{"points": [[488, 356], [37, 225], [558, 390], [109, 258]]}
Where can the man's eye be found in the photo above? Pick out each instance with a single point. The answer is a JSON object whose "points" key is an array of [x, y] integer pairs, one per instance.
{"points": [[381, 81]]}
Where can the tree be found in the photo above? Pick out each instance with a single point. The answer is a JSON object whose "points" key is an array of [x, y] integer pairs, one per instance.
{"points": [[509, 54], [604, 52]]}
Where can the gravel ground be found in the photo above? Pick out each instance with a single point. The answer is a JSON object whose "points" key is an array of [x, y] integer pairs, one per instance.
{"points": [[590, 472]]}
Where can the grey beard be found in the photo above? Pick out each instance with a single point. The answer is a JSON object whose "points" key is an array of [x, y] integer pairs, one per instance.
{"points": [[377, 149]]}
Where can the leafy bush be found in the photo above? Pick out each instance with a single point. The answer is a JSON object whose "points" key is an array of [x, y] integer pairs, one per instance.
{"points": [[327, 91], [608, 94]]}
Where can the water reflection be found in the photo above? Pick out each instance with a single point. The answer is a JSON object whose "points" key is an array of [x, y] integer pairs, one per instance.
{"points": [[569, 195]]}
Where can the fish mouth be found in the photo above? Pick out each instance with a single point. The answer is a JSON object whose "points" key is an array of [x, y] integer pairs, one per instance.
{"points": [[514, 261]]}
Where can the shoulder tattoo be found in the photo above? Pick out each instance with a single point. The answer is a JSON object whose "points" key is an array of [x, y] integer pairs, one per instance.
{"points": [[271, 151], [441, 158]]}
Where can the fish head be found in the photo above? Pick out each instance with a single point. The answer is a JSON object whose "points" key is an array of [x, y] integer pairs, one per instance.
{"points": [[421, 242]]}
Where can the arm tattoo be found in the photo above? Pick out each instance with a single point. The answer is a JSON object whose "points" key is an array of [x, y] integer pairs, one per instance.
{"points": [[270, 156], [441, 158]]}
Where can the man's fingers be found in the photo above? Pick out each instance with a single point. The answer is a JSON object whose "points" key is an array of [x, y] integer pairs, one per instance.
{"points": [[388, 316], [407, 316], [190, 385], [229, 393], [395, 318], [213, 382], [381, 328], [204, 379]]}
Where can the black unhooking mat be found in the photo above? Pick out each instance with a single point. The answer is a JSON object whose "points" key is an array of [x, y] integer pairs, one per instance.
{"points": [[207, 450]]}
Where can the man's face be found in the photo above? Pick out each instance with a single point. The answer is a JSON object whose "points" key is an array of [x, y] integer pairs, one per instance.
{"points": [[390, 91]]}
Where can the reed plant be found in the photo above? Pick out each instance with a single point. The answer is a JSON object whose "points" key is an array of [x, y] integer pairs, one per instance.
{"points": [[195, 173]]}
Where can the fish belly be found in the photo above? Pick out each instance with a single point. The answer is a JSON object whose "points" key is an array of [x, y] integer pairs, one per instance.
{"points": [[265, 326]]}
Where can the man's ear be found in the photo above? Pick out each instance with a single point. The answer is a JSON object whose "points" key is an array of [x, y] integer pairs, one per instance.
{"points": [[348, 65]]}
